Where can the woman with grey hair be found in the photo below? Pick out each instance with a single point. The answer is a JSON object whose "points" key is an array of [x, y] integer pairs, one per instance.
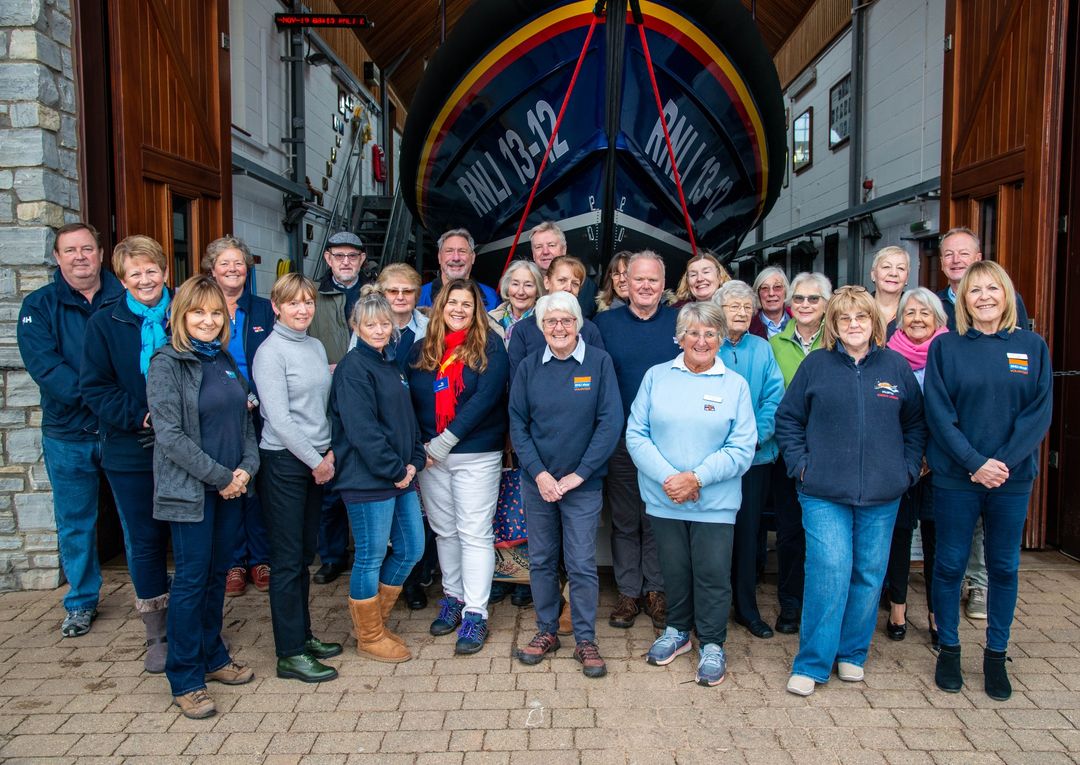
{"points": [[692, 436], [771, 287], [565, 420], [752, 358], [889, 274], [922, 318], [377, 443], [519, 288]]}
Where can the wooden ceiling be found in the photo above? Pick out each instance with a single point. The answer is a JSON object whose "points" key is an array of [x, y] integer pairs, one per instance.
{"points": [[413, 27]]}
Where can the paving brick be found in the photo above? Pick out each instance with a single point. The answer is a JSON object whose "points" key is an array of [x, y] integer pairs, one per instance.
{"points": [[415, 741], [934, 739]]}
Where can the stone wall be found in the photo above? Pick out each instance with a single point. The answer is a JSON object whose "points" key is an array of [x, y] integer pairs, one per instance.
{"points": [[38, 191]]}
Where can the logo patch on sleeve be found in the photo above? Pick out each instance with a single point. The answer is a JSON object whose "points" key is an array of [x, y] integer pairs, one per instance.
{"points": [[1018, 363]]}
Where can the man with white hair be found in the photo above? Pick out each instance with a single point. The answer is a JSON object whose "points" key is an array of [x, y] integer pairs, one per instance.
{"points": [[457, 253]]}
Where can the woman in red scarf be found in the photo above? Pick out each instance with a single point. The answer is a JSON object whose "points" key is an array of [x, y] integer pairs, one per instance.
{"points": [[920, 318], [458, 378]]}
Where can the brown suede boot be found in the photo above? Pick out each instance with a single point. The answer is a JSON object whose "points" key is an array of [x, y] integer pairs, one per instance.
{"points": [[388, 596], [371, 640]]}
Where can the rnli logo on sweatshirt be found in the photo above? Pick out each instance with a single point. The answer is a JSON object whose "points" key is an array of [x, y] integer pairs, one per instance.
{"points": [[582, 383], [1018, 363], [887, 390]]}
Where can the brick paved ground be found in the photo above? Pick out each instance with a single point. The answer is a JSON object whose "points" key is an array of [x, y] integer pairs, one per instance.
{"points": [[87, 700]]}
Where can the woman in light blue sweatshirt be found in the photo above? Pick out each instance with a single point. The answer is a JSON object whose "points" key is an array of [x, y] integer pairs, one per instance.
{"points": [[692, 435]]}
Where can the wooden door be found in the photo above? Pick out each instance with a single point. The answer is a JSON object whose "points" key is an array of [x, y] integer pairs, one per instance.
{"points": [[173, 155], [1001, 136]]}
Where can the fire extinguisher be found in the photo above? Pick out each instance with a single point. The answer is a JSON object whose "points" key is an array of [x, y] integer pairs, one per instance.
{"points": [[378, 163]]}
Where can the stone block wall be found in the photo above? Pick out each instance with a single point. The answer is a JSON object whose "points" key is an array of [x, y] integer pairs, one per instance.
{"points": [[39, 191]]}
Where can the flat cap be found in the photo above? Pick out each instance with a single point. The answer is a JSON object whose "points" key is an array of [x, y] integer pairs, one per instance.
{"points": [[345, 237]]}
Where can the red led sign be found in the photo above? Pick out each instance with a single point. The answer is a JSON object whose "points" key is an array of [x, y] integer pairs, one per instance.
{"points": [[291, 20]]}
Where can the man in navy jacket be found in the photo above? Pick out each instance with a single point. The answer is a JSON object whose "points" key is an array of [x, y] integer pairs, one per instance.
{"points": [[51, 329], [457, 253]]}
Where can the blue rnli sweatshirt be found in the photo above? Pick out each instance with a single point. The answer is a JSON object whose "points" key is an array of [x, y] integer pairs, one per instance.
{"points": [[636, 344], [987, 396], [480, 419], [701, 422], [752, 358], [565, 416], [854, 433], [529, 338]]}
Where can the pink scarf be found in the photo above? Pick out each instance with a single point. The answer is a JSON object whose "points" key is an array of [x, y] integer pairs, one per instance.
{"points": [[915, 354]]}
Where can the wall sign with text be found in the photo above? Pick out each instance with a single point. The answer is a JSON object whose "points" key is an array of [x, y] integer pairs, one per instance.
{"points": [[840, 113]]}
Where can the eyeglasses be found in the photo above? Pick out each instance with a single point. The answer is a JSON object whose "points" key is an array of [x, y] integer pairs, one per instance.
{"points": [[771, 288], [811, 299], [399, 291], [737, 308], [566, 323], [859, 318], [341, 256], [850, 289], [695, 335]]}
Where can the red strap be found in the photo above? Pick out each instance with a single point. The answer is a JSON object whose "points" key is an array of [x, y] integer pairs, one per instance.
{"points": [[667, 139], [551, 141]]}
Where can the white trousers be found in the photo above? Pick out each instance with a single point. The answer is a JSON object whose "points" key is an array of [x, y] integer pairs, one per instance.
{"points": [[459, 497]]}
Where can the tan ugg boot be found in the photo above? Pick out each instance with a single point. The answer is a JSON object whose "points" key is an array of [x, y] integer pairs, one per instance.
{"points": [[371, 639], [388, 596]]}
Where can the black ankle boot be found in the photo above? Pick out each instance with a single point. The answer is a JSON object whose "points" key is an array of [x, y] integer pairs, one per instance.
{"points": [[947, 676], [997, 682]]}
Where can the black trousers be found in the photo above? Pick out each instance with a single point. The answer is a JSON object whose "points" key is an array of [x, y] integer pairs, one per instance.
{"points": [[292, 504], [755, 483], [696, 560], [899, 570], [790, 539], [633, 545]]}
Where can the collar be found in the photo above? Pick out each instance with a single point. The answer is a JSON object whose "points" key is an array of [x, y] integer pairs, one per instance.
{"points": [[655, 315], [288, 333], [1001, 334], [578, 354], [775, 326], [717, 368], [951, 293], [341, 287], [414, 321]]}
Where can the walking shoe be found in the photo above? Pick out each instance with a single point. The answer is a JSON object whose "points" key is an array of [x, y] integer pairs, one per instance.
{"points": [[540, 646], [976, 604], [232, 673], [260, 577], [196, 705], [801, 685], [235, 582], [449, 616], [77, 622], [328, 572], [305, 668], [757, 626], [995, 678], [849, 673], [787, 623], [588, 656], [498, 592], [625, 612], [521, 596], [321, 650], [712, 666], [656, 608], [669, 645], [472, 634]]}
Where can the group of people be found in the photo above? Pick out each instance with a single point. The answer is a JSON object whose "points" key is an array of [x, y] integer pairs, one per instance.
{"points": [[250, 434]]}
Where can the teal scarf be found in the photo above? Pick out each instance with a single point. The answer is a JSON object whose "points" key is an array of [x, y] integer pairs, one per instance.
{"points": [[153, 327]]}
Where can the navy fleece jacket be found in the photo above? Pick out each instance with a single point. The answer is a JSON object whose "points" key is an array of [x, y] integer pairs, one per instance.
{"points": [[375, 435], [480, 420], [987, 396], [854, 433]]}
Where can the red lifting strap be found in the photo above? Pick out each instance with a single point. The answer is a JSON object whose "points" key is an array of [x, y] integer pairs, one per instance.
{"points": [[551, 140]]}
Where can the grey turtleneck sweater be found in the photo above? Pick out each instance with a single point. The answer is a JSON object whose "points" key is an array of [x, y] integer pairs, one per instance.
{"points": [[293, 379]]}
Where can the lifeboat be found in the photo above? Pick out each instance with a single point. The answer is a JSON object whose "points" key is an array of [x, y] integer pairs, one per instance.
{"points": [[485, 110]]}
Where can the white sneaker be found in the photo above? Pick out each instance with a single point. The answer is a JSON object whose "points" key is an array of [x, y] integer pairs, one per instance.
{"points": [[976, 604], [801, 685], [848, 672]]}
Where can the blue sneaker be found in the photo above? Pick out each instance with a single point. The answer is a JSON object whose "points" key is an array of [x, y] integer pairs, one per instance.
{"points": [[670, 644], [712, 666], [473, 633], [449, 616], [77, 622]]}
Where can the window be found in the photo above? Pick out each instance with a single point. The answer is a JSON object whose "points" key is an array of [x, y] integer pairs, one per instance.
{"points": [[802, 137]]}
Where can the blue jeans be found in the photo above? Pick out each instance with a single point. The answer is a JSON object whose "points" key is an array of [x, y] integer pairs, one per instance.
{"points": [[202, 551], [847, 550], [1003, 516], [568, 527], [333, 529], [252, 546], [74, 470], [146, 541], [396, 520]]}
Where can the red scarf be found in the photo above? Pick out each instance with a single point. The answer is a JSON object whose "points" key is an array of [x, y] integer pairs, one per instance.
{"points": [[450, 369]]}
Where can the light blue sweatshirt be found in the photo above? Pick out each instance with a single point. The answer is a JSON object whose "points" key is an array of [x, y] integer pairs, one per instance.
{"points": [[701, 422], [753, 359]]}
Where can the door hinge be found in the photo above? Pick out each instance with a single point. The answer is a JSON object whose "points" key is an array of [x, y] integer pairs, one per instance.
{"points": [[948, 42], [224, 41], [1063, 225], [1053, 459]]}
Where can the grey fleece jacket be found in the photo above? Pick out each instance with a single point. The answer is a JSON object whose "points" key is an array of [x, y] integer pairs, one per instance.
{"points": [[182, 469], [293, 377]]}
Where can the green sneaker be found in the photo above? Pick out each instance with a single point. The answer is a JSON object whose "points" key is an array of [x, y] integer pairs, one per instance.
{"points": [[321, 650], [306, 668]]}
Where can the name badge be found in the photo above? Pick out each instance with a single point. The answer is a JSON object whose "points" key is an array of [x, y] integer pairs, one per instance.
{"points": [[441, 383], [582, 383], [714, 399]]}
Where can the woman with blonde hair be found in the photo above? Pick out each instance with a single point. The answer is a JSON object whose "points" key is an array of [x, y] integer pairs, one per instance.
{"points": [[852, 432], [205, 455], [400, 283], [988, 402], [702, 278], [457, 378], [889, 273]]}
